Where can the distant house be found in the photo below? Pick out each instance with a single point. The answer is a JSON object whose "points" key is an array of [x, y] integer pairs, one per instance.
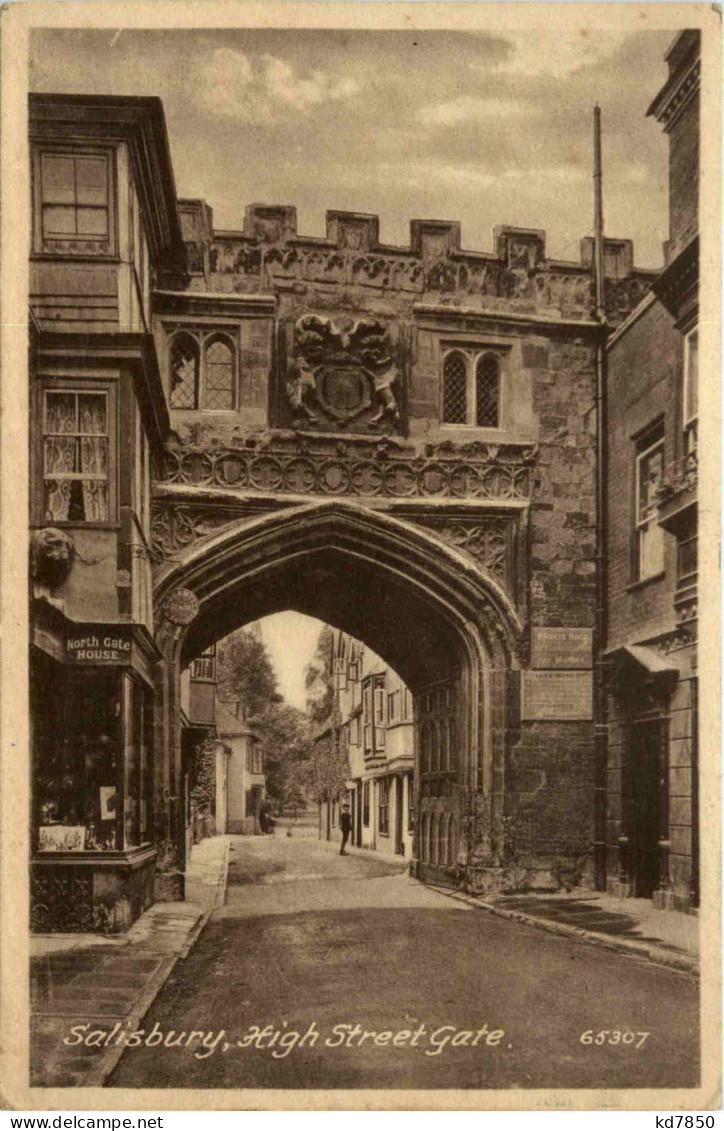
{"points": [[238, 776], [375, 729]]}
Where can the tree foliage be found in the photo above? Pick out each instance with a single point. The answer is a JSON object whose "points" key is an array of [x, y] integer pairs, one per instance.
{"points": [[203, 773], [319, 679], [246, 675], [245, 672]]}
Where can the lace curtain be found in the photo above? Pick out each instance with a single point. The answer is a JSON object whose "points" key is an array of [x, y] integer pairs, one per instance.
{"points": [[76, 446]]}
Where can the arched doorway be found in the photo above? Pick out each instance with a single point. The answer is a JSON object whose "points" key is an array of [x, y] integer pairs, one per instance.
{"points": [[445, 626]]}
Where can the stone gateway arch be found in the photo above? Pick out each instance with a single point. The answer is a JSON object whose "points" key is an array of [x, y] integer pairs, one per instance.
{"points": [[426, 606]]}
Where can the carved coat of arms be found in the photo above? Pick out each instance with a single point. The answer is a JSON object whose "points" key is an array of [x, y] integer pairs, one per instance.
{"points": [[341, 378]]}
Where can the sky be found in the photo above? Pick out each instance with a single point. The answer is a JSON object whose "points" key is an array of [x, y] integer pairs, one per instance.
{"points": [[291, 640], [485, 129]]}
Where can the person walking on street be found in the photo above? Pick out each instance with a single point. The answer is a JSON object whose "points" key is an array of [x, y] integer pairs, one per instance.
{"points": [[345, 823]]}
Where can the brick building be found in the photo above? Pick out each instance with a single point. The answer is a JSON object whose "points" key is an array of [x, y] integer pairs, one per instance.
{"points": [[652, 540]]}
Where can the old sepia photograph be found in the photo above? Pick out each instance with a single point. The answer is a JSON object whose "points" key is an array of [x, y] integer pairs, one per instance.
{"points": [[371, 745]]}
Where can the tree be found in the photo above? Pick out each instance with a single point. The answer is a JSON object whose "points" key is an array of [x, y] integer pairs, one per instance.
{"points": [[285, 735], [319, 679], [245, 672]]}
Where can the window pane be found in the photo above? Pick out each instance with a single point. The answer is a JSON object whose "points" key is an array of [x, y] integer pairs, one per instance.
{"points": [[60, 456], [651, 468], [92, 414], [58, 180], [56, 500], [91, 180], [184, 373], [60, 412], [687, 557], [651, 550], [94, 456], [487, 383], [218, 378], [59, 221], [95, 501], [92, 222], [454, 393]]}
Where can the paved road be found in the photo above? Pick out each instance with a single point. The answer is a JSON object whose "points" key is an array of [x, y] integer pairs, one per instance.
{"points": [[393, 985]]}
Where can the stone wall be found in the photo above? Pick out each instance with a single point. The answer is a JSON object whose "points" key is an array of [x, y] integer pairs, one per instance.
{"points": [[519, 499]]}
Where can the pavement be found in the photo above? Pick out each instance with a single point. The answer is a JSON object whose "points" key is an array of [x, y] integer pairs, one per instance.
{"points": [[629, 926], [328, 972], [102, 981], [109, 984]]}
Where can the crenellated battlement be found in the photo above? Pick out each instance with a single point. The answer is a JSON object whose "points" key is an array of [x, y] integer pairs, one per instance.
{"points": [[268, 253]]}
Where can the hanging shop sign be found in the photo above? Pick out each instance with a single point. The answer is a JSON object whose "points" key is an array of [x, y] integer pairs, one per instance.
{"points": [[556, 695], [562, 648], [99, 644]]}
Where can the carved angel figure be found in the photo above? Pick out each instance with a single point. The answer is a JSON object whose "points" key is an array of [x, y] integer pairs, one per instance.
{"points": [[302, 388]]}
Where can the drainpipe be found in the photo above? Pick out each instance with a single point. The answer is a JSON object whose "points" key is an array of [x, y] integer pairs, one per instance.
{"points": [[600, 723]]}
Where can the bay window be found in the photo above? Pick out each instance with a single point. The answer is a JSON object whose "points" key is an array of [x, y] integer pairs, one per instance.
{"points": [[77, 456], [73, 202]]}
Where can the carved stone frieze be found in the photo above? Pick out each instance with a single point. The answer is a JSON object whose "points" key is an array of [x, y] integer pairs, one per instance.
{"points": [[358, 468], [522, 273], [174, 527], [486, 540]]}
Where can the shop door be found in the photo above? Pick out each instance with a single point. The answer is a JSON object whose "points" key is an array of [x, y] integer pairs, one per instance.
{"points": [[645, 760]]}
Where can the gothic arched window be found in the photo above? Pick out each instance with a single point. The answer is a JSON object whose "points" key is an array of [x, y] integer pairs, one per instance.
{"points": [[218, 375], [432, 856], [425, 749], [452, 840], [434, 747], [442, 842], [487, 392], [454, 389], [184, 372], [451, 743], [444, 747]]}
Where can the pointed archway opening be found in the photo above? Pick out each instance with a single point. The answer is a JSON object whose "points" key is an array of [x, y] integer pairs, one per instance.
{"points": [[430, 612]]}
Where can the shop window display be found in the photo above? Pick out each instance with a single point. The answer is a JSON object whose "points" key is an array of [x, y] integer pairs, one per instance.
{"points": [[93, 768]]}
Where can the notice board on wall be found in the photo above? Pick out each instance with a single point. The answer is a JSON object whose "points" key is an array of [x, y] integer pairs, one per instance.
{"points": [[556, 695]]}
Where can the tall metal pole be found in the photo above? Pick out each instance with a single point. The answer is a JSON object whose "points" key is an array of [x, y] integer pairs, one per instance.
{"points": [[601, 627], [598, 215]]}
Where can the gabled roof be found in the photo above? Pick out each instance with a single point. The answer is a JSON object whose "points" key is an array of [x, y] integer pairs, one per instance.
{"points": [[228, 724]]}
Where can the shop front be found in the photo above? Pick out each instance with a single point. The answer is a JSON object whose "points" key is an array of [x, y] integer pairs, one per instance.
{"points": [[92, 836]]}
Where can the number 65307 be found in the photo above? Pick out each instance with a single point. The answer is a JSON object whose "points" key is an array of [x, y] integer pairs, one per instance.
{"points": [[613, 1037]]}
